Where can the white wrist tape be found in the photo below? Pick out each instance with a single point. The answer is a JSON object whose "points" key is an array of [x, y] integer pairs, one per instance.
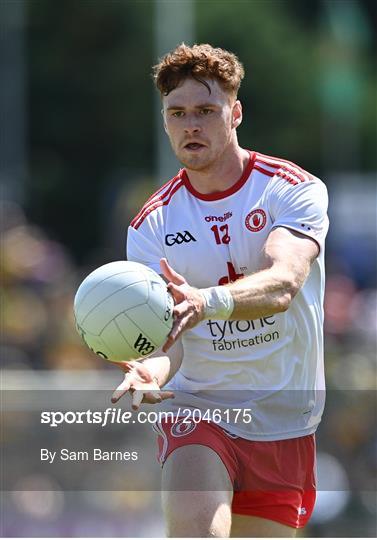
{"points": [[219, 303]]}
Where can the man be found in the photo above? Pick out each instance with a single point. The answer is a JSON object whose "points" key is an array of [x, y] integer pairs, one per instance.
{"points": [[240, 239]]}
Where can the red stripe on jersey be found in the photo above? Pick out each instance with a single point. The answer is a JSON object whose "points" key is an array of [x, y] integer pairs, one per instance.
{"points": [[166, 185], [271, 165], [283, 173], [161, 202], [156, 197], [264, 171], [300, 173], [287, 176], [299, 176]]}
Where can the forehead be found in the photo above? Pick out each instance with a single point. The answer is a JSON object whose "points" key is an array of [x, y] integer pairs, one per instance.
{"points": [[191, 93]]}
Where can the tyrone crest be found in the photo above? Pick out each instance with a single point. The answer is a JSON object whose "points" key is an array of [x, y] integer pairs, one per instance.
{"points": [[256, 220], [182, 427]]}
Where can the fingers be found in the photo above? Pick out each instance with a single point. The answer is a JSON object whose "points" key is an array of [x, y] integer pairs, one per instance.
{"points": [[140, 396], [181, 310], [166, 394], [168, 344], [171, 274], [173, 336], [157, 397], [151, 397], [137, 398], [176, 292], [120, 390], [181, 323]]}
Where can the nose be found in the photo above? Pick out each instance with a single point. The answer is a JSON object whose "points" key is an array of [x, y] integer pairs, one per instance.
{"points": [[192, 125]]}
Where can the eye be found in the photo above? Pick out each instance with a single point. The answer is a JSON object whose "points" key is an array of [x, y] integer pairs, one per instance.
{"points": [[177, 114], [206, 111]]}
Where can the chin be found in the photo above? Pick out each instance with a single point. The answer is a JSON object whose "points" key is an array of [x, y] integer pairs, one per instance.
{"points": [[195, 166], [195, 163]]}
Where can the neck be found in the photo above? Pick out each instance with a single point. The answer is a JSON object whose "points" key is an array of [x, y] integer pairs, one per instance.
{"points": [[222, 174]]}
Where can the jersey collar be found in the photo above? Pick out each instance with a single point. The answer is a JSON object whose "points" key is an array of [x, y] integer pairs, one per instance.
{"points": [[221, 194]]}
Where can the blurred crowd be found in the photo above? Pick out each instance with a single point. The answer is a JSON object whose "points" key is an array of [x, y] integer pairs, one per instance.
{"points": [[39, 279], [38, 286], [80, 151]]}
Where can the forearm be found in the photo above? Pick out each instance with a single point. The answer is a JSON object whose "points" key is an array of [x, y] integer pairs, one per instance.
{"points": [[265, 293], [287, 258], [163, 366], [259, 295]]}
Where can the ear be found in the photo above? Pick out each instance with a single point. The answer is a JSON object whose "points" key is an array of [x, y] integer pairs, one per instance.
{"points": [[164, 121], [236, 114]]}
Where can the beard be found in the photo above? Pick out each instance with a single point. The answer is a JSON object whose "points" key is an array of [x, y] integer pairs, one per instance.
{"points": [[199, 163]]}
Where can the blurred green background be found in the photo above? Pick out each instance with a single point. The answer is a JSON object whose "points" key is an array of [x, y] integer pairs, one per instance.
{"points": [[81, 149]]}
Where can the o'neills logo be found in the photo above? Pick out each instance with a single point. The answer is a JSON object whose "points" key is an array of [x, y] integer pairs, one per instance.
{"points": [[226, 216], [256, 220], [182, 427]]}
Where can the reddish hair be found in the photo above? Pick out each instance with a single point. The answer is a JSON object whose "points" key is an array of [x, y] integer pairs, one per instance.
{"points": [[199, 62]]}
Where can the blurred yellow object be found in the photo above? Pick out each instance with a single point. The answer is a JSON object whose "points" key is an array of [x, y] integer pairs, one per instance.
{"points": [[24, 316]]}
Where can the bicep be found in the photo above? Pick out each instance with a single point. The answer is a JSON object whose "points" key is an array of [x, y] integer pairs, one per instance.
{"points": [[290, 251]]}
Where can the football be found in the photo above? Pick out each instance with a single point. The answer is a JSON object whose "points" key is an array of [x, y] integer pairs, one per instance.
{"points": [[123, 311]]}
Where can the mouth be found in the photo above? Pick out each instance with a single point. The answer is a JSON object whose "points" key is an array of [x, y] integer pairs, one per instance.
{"points": [[194, 146]]}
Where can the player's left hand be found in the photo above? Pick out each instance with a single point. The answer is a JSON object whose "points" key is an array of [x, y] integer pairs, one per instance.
{"points": [[139, 382], [189, 304]]}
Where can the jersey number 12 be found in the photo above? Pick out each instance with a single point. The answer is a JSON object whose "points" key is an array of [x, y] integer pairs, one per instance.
{"points": [[221, 234]]}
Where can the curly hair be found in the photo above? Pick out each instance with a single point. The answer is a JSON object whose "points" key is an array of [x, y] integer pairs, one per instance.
{"points": [[199, 62]]}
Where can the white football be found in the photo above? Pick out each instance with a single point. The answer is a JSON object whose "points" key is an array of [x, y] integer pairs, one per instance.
{"points": [[123, 311]]}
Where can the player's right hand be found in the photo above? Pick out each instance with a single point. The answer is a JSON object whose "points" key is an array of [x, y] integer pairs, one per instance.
{"points": [[140, 383]]}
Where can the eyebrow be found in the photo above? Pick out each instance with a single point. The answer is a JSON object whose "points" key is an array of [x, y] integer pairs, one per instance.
{"points": [[181, 108]]}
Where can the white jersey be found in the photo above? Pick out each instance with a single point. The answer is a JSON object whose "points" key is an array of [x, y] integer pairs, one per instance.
{"points": [[272, 366]]}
